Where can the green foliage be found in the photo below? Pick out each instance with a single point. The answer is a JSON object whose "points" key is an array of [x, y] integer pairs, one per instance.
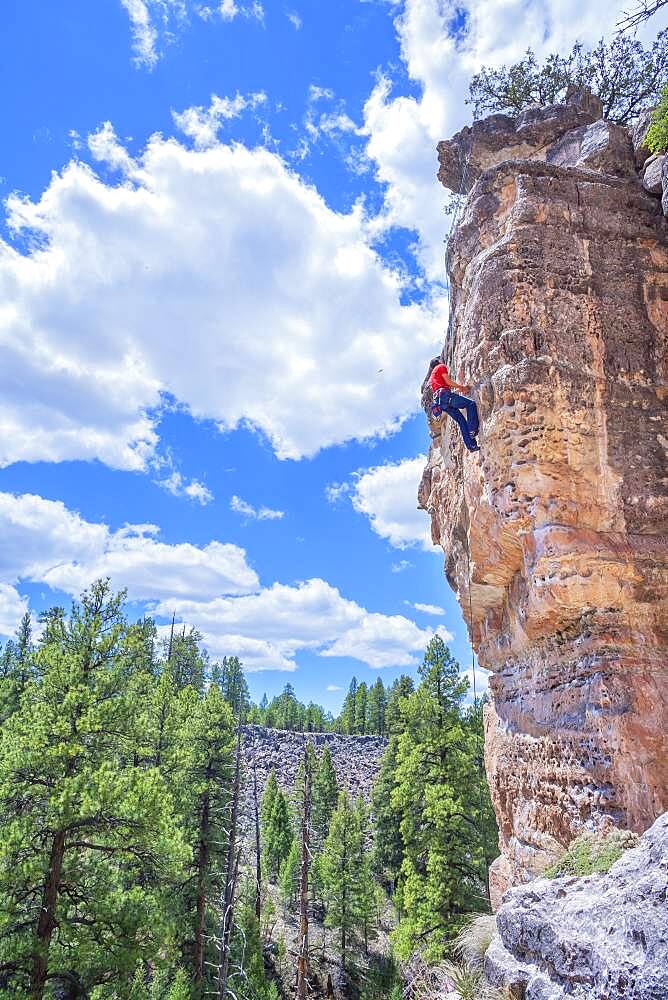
{"points": [[389, 846], [288, 876], [626, 76], [657, 136], [445, 816], [277, 835], [325, 793], [470, 984], [229, 676], [89, 837], [590, 853]]}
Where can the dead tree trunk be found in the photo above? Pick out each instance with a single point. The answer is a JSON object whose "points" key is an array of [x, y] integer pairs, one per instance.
{"points": [[302, 958], [202, 869], [258, 850], [230, 880]]}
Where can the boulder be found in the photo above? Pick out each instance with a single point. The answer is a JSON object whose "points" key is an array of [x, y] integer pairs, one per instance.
{"points": [[638, 134], [604, 937], [600, 146], [653, 173], [497, 138]]}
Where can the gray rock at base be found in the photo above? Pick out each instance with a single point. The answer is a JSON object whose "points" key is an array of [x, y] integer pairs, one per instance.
{"points": [[664, 181], [604, 937], [639, 135], [652, 174], [600, 146]]}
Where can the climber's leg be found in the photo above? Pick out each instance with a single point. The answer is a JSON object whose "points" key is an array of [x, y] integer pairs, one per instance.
{"points": [[460, 419], [464, 403]]}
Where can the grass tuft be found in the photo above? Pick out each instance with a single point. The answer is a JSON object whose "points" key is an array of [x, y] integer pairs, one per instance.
{"points": [[592, 852], [474, 939]]}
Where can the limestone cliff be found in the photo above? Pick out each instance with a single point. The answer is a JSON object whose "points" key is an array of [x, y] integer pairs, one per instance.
{"points": [[558, 270]]}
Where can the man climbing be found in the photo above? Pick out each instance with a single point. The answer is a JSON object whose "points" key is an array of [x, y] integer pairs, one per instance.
{"points": [[446, 400]]}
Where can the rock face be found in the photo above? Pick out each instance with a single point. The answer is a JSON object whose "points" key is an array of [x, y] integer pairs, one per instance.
{"points": [[559, 284], [356, 759], [604, 937]]}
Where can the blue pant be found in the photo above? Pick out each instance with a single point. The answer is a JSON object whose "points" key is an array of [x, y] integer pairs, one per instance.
{"points": [[453, 403]]}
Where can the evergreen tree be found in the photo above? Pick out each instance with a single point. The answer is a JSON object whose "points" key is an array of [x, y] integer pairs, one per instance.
{"points": [[325, 796], [436, 792], [361, 699], [17, 667], [389, 847], [187, 662], [348, 712], [376, 708], [277, 836], [229, 676], [402, 688], [339, 868], [288, 877], [88, 838], [268, 797]]}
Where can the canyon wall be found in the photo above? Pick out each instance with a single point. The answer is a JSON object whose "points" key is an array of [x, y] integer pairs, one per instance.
{"points": [[558, 270]]}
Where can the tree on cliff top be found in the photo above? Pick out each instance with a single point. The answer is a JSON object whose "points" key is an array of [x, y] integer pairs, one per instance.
{"points": [[626, 77]]}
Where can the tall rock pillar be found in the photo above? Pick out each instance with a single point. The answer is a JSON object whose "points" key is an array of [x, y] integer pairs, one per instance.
{"points": [[559, 281]]}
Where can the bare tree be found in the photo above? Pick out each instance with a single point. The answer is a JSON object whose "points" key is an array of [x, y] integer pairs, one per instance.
{"points": [[231, 875], [302, 958], [258, 849], [643, 12]]}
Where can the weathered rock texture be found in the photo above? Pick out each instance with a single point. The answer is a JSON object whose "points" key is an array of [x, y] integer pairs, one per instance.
{"points": [[356, 759], [604, 937], [559, 283]]}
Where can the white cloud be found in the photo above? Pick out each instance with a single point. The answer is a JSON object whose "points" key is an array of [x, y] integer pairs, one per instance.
{"points": [[294, 19], [240, 506], [403, 131], [400, 566], [45, 542], [144, 34], [178, 486], [387, 495], [228, 248], [229, 9], [481, 681], [312, 615], [106, 148], [333, 687], [203, 124], [426, 609], [336, 491], [12, 609]]}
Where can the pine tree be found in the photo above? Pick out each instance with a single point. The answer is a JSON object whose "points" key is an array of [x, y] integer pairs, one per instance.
{"points": [[436, 792], [376, 708], [17, 668], [340, 872], [325, 797], [88, 838], [389, 847], [277, 836], [229, 676], [402, 688], [187, 662], [268, 797], [348, 712], [361, 709], [288, 876]]}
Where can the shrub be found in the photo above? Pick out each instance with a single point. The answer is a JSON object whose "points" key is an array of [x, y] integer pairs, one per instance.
{"points": [[657, 136], [591, 852]]}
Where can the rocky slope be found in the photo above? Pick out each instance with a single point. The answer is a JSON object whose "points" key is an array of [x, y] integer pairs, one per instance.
{"points": [[604, 937], [356, 759], [559, 283]]}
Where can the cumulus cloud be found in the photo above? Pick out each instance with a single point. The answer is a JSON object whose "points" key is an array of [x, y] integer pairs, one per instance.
{"points": [[427, 609], [240, 506], [387, 495], [175, 484], [443, 43], [12, 609], [224, 247], [44, 542], [312, 615], [203, 124]]}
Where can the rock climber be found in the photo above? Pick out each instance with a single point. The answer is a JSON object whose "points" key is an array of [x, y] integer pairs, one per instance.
{"points": [[446, 400]]}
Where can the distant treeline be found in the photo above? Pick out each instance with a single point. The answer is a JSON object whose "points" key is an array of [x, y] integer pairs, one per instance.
{"points": [[367, 710]]}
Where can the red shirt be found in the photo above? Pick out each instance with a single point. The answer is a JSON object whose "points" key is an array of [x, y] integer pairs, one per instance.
{"points": [[440, 378]]}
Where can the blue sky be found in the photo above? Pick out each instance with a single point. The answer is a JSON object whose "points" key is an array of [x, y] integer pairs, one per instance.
{"points": [[222, 280]]}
